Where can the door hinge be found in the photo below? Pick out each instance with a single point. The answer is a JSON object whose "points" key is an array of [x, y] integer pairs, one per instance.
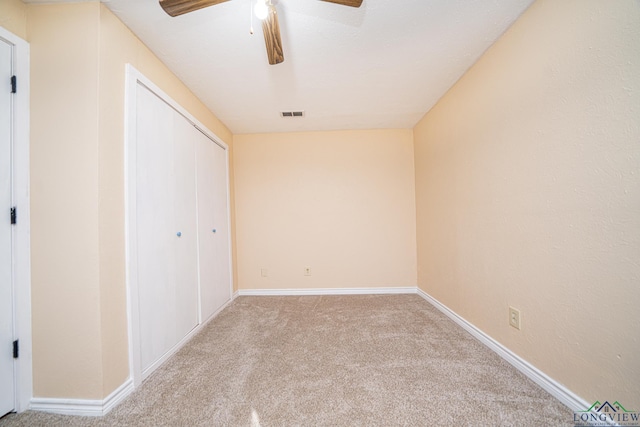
{"points": [[14, 84], [16, 349], [14, 216]]}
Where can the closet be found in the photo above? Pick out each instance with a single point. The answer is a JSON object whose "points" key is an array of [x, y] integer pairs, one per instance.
{"points": [[179, 226]]}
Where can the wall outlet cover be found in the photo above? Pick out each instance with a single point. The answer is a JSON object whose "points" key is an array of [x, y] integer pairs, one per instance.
{"points": [[514, 318]]}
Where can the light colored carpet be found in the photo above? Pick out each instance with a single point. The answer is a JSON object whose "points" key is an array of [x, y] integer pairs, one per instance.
{"points": [[374, 360]]}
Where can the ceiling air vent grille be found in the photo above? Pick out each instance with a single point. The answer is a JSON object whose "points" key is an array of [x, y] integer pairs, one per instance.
{"points": [[292, 114]]}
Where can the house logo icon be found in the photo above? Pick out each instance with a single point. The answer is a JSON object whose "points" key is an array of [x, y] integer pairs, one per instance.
{"points": [[606, 414]]}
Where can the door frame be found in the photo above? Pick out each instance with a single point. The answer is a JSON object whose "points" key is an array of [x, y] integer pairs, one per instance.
{"points": [[132, 79], [21, 250]]}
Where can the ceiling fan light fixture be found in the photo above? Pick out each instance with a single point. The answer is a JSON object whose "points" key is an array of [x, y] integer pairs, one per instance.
{"points": [[261, 10]]}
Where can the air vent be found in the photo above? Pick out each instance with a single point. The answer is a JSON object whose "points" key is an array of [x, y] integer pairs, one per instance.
{"points": [[292, 114]]}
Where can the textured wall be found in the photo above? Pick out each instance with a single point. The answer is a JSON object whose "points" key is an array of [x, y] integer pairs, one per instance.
{"points": [[341, 203], [528, 194]]}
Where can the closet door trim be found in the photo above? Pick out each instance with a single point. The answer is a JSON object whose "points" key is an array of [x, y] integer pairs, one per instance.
{"points": [[133, 78]]}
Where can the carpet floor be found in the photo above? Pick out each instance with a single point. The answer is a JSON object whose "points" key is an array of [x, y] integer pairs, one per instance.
{"points": [[360, 360]]}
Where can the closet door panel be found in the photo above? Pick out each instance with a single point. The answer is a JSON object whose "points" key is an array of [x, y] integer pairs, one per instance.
{"points": [[222, 261], [215, 278], [155, 226], [206, 226], [186, 250]]}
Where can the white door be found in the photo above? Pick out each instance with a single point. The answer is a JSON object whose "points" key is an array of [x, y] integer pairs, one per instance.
{"points": [[155, 225], [222, 258], [7, 398], [215, 285], [166, 228]]}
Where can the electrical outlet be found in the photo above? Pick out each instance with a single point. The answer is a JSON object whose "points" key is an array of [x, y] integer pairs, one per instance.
{"points": [[307, 271], [264, 272], [514, 318]]}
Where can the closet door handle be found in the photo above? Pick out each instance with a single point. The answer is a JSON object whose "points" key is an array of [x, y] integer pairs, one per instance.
{"points": [[179, 234], [214, 230]]}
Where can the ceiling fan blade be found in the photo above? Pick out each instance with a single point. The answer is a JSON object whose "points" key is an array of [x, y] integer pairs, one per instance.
{"points": [[179, 7], [272, 40], [352, 3]]}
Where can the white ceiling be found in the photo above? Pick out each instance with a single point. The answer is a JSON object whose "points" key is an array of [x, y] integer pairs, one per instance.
{"points": [[383, 65]]}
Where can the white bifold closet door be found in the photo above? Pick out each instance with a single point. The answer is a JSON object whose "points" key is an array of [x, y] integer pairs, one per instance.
{"points": [[166, 227], [181, 230], [213, 226]]}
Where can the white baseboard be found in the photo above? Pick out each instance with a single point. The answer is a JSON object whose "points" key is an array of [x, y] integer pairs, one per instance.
{"points": [[83, 407], [326, 291], [117, 396], [557, 390]]}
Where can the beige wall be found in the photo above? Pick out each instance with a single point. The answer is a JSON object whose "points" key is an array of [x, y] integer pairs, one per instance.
{"points": [[13, 17], [78, 56], [528, 194], [341, 203], [64, 200]]}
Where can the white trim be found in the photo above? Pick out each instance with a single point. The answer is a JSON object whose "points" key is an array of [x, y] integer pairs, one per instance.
{"points": [[132, 78], [229, 229], [557, 390], [83, 407], [22, 230], [131, 249], [117, 396], [326, 291], [68, 406]]}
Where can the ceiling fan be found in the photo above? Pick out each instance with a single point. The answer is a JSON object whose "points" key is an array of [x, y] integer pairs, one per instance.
{"points": [[265, 10]]}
